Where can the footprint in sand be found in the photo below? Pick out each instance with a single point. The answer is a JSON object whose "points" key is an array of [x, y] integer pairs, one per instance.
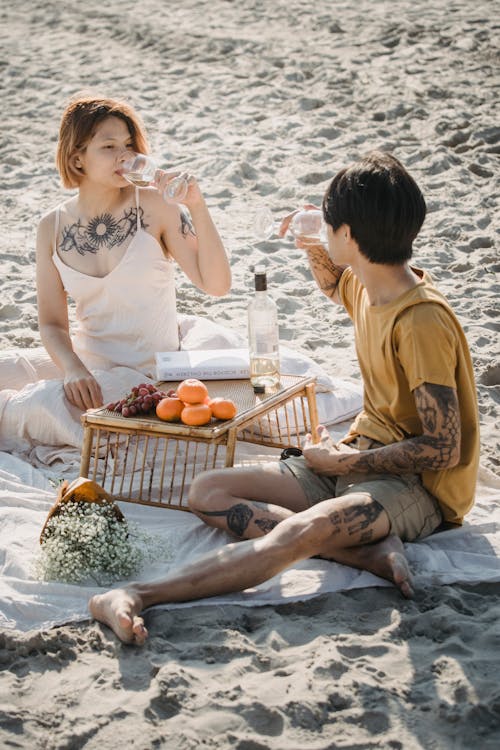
{"points": [[479, 171], [491, 376], [481, 242], [9, 312]]}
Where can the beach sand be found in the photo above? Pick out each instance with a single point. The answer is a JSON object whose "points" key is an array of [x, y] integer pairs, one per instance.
{"points": [[264, 101]]}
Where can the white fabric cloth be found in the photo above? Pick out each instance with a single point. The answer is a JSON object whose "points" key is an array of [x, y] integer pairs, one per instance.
{"points": [[35, 411], [470, 554], [117, 334]]}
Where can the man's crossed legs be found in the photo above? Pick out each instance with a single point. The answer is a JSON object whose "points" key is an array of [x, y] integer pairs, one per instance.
{"points": [[265, 507]]}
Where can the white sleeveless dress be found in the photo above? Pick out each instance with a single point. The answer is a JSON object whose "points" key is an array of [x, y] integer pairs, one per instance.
{"points": [[122, 319]]}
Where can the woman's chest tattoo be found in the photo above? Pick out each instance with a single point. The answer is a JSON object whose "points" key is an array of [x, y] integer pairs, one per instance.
{"points": [[103, 231]]}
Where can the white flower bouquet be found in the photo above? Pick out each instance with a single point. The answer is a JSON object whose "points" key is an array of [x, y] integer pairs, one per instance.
{"points": [[86, 537]]}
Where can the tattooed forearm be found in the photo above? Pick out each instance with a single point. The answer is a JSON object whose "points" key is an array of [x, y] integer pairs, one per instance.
{"points": [[326, 273], [410, 456], [438, 448]]}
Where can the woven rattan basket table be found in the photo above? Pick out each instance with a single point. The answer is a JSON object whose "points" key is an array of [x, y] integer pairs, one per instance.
{"points": [[146, 460]]}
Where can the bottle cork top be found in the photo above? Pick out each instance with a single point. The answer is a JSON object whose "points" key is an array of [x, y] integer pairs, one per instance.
{"points": [[260, 280]]}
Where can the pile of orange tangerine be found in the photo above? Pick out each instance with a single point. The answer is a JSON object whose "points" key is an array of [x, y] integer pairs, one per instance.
{"points": [[192, 405]]}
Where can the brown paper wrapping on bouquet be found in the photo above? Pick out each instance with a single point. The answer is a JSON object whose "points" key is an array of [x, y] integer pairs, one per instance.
{"points": [[80, 490]]}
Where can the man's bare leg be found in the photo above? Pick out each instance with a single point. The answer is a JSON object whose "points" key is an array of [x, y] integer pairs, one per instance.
{"points": [[323, 529], [235, 567], [247, 502]]}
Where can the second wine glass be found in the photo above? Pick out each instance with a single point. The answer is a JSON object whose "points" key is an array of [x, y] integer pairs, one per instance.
{"points": [[308, 224], [141, 169]]}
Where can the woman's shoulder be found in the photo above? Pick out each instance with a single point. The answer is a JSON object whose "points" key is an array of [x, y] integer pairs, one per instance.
{"points": [[48, 219], [150, 197], [161, 216], [48, 226]]}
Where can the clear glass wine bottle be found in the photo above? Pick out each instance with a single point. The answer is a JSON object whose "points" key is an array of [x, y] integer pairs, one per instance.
{"points": [[263, 336]]}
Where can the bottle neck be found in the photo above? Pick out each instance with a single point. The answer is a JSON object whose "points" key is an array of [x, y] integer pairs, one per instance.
{"points": [[260, 282]]}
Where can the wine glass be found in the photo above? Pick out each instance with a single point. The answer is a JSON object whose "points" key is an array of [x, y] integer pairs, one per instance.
{"points": [[308, 224], [140, 170], [265, 225]]}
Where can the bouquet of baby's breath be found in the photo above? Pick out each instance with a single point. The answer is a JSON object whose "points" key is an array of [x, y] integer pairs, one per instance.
{"points": [[87, 537]]}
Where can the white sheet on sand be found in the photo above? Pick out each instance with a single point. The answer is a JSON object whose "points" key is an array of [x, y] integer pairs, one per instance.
{"points": [[470, 554]]}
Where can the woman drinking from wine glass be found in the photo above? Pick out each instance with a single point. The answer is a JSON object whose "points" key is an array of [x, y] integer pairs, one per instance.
{"points": [[112, 248]]}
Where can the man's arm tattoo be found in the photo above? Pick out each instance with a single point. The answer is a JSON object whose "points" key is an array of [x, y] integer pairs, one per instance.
{"points": [[324, 270], [436, 449]]}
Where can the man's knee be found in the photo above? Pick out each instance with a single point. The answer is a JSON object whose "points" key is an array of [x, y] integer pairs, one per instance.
{"points": [[203, 492], [307, 531], [335, 524]]}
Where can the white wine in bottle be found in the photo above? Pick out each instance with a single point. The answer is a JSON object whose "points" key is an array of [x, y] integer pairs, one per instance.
{"points": [[263, 336]]}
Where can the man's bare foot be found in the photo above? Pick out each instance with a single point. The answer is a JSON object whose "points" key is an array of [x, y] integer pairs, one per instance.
{"points": [[119, 609], [386, 559], [392, 558]]}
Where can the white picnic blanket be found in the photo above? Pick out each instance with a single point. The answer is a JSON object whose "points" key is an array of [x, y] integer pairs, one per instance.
{"points": [[27, 490], [470, 554]]}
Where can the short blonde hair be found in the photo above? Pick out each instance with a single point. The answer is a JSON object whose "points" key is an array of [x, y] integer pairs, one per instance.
{"points": [[78, 125]]}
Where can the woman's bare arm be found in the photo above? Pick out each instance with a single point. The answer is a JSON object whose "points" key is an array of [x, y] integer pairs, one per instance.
{"points": [[80, 386]]}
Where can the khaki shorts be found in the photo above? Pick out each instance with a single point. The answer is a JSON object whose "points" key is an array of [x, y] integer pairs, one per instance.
{"points": [[413, 512]]}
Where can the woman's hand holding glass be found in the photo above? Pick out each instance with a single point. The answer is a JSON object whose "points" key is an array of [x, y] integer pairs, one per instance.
{"points": [[177, 187], [141, 170]]}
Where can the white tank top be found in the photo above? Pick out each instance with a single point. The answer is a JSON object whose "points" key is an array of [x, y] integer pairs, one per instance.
{"points": [[123, 318]]}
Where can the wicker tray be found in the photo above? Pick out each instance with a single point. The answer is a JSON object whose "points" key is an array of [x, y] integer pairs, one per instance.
{"points": [[150, 461]]}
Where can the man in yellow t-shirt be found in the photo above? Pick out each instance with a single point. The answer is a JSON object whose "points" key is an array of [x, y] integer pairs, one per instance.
{"points": [[407, 348], [409, 462]]}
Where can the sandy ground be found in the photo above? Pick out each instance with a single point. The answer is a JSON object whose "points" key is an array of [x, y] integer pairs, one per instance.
{"points": [[264, 101]]}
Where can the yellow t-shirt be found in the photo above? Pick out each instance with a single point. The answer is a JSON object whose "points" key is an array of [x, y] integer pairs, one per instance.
{"points": [[412, 340]]}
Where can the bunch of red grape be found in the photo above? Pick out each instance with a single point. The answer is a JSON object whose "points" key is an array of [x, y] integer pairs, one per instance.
{"points": [[141, 400]]}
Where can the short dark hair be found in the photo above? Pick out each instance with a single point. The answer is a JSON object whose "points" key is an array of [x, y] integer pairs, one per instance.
{"points": [[381, 203]]}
